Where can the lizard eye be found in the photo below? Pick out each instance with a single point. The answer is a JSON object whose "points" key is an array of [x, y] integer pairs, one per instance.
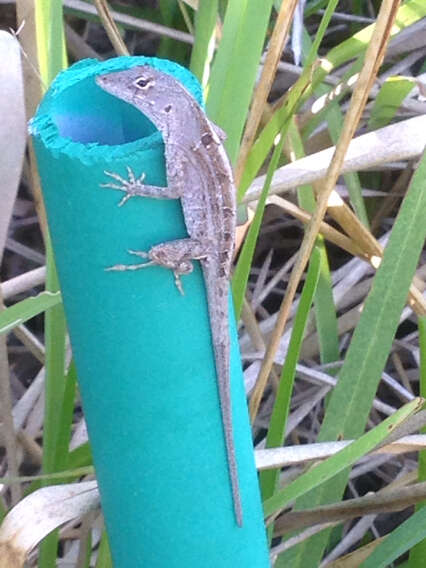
{"points": [[206, 139], [144, 82]]}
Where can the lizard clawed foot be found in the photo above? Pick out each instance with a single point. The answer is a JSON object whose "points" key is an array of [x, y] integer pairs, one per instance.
{"points": [[178, 283], [129, 186], [140, 253], [171, 255], [122, 267]]}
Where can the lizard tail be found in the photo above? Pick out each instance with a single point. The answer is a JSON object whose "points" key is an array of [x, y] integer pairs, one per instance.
{"points": [[217, 296], [223, 369]]}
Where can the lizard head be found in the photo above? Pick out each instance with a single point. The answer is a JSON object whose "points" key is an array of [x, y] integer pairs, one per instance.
{"points": [[152, 91]]}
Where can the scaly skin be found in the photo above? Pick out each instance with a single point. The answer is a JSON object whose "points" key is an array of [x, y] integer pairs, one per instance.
{"points": [[199, 174]]}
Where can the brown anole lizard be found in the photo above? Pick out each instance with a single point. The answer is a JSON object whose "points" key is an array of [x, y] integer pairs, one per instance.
{"points": [[199, 174]]}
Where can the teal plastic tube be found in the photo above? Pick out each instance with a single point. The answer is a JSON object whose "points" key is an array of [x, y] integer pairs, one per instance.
{"points": [[143, 352]]}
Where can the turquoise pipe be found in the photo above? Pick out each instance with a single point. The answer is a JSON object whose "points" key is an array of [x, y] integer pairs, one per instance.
{"points": [[143, 352]]}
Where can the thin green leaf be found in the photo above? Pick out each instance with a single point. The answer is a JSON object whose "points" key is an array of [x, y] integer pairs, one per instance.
{"points": [[202, 51], [313, 7], [104, 554], [418, 553], [351, 399], [282, 116], [389, 99], [80, 456], [235, 67], [334, 118], [242, 270], [265, 140], [66, 418], [58, 475], [55, 336], [55, 333], [52, 59], [26, 309], [278, 422], [409, 13], [170, 48], [325, 311], [412, 531], [327, 469], [50, 39]]}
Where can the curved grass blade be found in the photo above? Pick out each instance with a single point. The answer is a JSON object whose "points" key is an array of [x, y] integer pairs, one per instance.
{"points": [[329, 468], [242, 270], [205, 25], [325, 310], [391, 94], [27, 309], [418, 553], [235, 67], [278, 422], [408, 14], [351, 400], [412, 531]]}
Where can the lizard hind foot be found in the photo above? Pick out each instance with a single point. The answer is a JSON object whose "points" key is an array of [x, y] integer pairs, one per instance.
{"points": [[122, 267], [184, 267], [178, 283], [140, 253]]}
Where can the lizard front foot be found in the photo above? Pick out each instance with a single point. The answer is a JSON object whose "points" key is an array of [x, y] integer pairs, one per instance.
{"points": [[131, 187]]}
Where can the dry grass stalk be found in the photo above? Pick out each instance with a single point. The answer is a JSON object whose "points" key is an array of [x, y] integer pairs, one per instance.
{"points": [[361, 242], [373, 58], [276, 46], [404, 140], [326, 230], [382, 502], [110, 27]]}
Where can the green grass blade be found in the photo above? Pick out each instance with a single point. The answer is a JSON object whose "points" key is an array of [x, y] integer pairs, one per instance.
{"points": [[66, 418], [418, 553], [327, 469], [52, 59], [242, 270], [334, 118], [68, 475], [265, 140], [335, 123], [104, 554], [26, 309], [389, 99], [55, 335], [170, 48], [408, 14], [325, 311], [205, 24], [412, 531], [263, 144], [235, 67], [278, 422], [313, 7], [80, 456], [351, 400], [339, 92], [50, 38]]}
